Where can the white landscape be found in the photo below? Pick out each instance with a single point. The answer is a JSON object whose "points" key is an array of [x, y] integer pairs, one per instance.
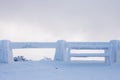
{"points": [[62, 67], [88, 34], [50, 70]]}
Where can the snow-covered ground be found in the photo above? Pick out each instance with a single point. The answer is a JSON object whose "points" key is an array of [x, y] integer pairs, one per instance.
{"points": [[51, 70]]}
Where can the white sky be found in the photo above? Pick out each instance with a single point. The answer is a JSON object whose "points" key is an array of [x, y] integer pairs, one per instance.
{"points": [[51, 20]]}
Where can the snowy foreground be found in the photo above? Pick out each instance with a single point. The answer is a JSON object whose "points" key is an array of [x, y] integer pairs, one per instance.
{"points": [[50, 70]]}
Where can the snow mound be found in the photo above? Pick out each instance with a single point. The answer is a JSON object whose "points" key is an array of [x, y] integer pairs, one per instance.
{"points": [[51, 70]]}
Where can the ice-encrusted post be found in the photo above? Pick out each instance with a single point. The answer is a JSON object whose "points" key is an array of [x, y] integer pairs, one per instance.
{"points": [[60, 50], [116, 50], [5, 51]]}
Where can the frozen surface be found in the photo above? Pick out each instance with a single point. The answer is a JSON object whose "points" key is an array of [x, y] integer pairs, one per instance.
{"points": [[51, 70]]}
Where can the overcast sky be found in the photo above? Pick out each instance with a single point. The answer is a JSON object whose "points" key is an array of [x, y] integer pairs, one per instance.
{"points": [[51, 20]]}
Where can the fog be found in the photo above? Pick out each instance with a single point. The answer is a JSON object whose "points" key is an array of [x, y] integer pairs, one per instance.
{"points": [[51, 20]]}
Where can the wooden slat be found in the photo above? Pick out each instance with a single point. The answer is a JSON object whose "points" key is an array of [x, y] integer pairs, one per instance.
{"points": [[19, 45], [88, 55], [88, 45]]}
